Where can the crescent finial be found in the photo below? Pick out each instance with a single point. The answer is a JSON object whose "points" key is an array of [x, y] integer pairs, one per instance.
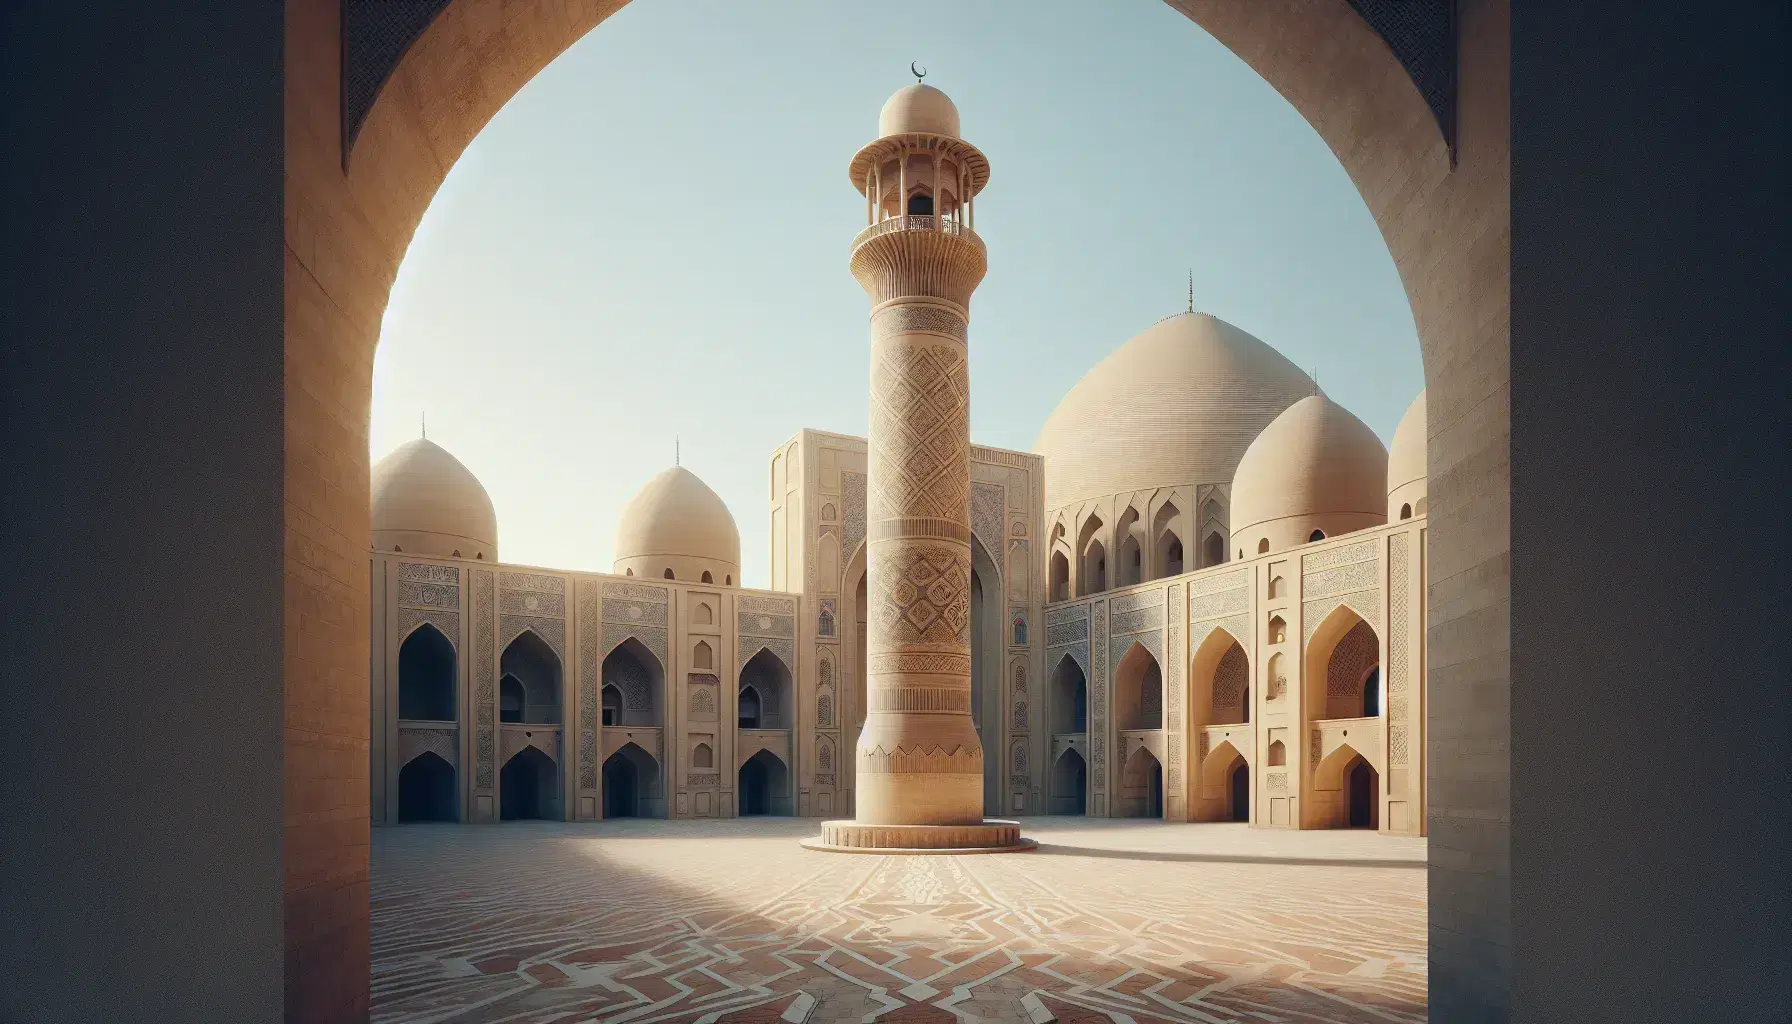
{"points": [[920, 74]]}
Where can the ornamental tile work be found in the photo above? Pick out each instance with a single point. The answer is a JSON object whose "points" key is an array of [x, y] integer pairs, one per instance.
{"points": [[643, 922]]}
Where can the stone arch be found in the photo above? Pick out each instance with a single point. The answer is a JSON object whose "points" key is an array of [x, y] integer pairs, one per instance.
{"points": [[1138, 690], [1277, 630], [1346, 791], [1229, 687], [1129, 550], [1442, 202], [1204, 665], [1141, 785], [529, 786], [1070, 783], [632, 784], [763, 785], [1213, 549], [1213, 798], [703, 656], [1092, 560], [1342, 655], [706, 577], [428, 687], [427, 789], [533, 663], [611, 702], [1069, 697], [1278, 754], [704, 614], [636, 674], [1168, 556], [703, 756], [769, 680], [511, 699], [1277, 588], [1060, 572], [1276, 678]]}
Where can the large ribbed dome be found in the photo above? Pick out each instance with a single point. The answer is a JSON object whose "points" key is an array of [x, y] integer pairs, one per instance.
{"points": [[918, 108], [426, 503], [676, 524], [1407, 463], [1176, 405], [1317, 467]]}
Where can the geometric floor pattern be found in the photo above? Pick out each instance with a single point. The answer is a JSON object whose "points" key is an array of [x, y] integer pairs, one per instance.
{"points": [[731, 922]]}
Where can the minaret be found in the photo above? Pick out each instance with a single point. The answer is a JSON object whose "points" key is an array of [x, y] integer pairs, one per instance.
{"points": [[919, 763]]}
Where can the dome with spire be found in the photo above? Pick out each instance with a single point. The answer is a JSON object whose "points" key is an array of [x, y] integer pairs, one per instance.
{"points": [[1175, 406], [1407, 464], [425, 502], [676, 527], [1315, 472], [918, 108]]}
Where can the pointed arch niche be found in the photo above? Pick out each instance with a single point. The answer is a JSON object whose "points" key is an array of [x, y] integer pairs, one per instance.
{"points": [[1138, 690], [1170, 557], [633, 675], [427, 679], [766, 681], [536, 668]]}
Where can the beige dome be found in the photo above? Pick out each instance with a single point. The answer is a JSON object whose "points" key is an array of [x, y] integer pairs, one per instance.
{"points": [[1406, 464], [1176, 405], [918, 108], [1317, 467], [675, 522], [426, 503]]}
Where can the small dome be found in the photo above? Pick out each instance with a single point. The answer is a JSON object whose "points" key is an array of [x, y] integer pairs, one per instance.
{"points": [[1406, 464], [918, 108], [1316, 468], [676, 523], [1176, 405], [426, 503]]}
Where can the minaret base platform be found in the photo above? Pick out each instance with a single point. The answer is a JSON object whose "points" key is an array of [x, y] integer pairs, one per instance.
{"points": [[992, 835]]}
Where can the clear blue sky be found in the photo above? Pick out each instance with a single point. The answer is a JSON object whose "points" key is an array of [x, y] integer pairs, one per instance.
{"points": [[650, 240]]}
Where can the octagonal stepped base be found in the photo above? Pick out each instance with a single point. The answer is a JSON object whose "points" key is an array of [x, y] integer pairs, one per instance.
{"points": [[992, 835]]}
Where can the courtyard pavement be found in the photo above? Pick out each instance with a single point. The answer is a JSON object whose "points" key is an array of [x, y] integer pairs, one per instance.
{"points": [[731, 922]]}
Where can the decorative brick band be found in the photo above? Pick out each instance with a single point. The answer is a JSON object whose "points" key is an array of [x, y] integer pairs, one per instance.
{"points": [[921, 698], [932, 529], [933, 761]]}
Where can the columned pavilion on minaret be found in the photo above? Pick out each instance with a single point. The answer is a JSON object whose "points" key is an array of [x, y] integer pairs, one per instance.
{"points": [[919, 760]]}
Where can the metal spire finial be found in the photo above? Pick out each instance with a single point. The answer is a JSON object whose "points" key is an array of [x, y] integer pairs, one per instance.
{"points": [[425, 426], [677, 452], [922, 73], [1191, 289]]}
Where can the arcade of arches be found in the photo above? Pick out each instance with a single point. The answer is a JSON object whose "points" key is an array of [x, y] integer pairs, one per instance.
{"points": [[1085, 535]]}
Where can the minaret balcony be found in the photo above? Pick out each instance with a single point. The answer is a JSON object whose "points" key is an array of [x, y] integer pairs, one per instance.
{"points": [[918, 222]]}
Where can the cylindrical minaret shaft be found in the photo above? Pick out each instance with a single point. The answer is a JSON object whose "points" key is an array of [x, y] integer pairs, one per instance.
{"points": [[919, 763]]}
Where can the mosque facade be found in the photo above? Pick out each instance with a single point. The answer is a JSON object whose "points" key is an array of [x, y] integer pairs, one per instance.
{"points": [[1200, 598]]}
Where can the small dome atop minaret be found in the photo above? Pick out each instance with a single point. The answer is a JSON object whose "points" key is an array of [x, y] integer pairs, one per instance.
{"points": [[918, 108]]}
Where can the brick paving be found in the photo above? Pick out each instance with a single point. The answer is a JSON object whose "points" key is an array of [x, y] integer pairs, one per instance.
{"points": [[724, 922]]}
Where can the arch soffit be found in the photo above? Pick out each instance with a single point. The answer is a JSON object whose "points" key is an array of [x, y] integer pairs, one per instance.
{"points": [[438, 743], [1219, 762], [1141, 750], [516, 744], [775, 656], [423, 755], [1070, 656], [1333, 628], [1330, 772], [747, 751], [634, 752], [425, 624], [1135, 662], [641, 652]]}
